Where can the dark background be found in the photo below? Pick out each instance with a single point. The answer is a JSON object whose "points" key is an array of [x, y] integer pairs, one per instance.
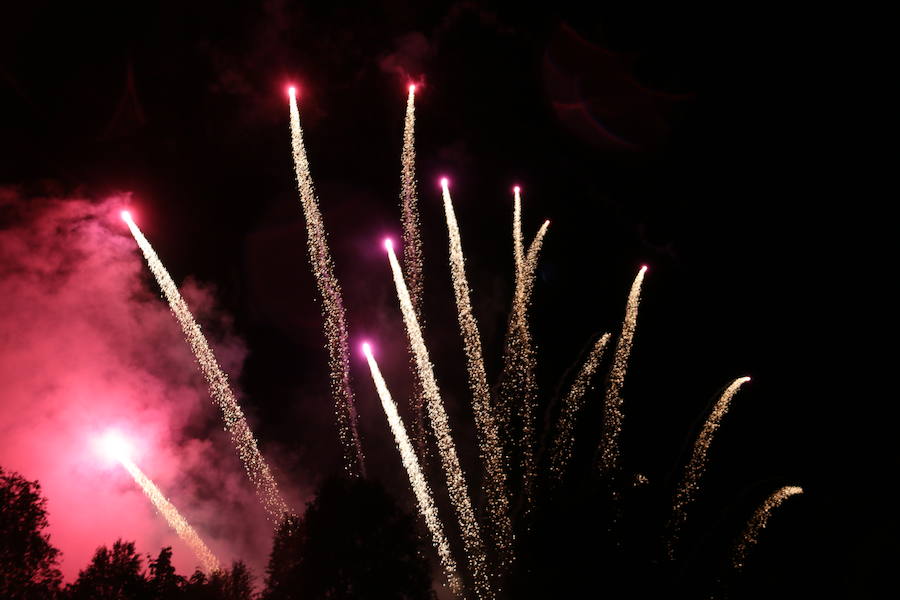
{"points": [[676, 137]]}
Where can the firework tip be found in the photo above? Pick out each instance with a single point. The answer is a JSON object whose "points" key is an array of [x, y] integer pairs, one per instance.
{"points": [[644, 268], [126, 215], [516, 189], [444, 182], [292, 91], [412, 88], [367, 348], [388, 244], [114, 445]]}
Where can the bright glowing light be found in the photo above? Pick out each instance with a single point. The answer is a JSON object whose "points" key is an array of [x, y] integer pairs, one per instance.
{"points": [[444, 182], [126, 216], [115, 446], [456, 482], [417, 479], [693, 471], [412, 88], [334, 316], [292, 91], [517, 189], [367, 349], [388, 244], [488, 438], [254, 464]]}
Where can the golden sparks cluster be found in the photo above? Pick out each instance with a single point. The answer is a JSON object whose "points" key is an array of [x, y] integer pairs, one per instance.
{"points": [[412, 258], [758, 522], [235, 423], [334, 319], [207, 559], [456, 482], [612, 415], [561, 452], [695, 467], [490, 448], [417, 481]]}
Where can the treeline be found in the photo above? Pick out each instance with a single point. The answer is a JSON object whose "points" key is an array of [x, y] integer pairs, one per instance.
{"points": [[353, 541]]}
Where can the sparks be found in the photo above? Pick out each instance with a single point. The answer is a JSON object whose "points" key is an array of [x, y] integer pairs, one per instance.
{"points": [[758, 522], [177, 522], [612, 416], [417, 480], [456, 483], [254, 464], [518, 386], [413, 259], [690, 482], [489, 443], [335, 321], [564, 441]]}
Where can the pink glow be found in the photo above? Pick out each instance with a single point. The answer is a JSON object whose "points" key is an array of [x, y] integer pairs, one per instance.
{"points": [[367, 349], [101, 355], [292, 91], [444, 182], [126, 216], [517, 189], [388, 244], [644, 268], [412, 88]]}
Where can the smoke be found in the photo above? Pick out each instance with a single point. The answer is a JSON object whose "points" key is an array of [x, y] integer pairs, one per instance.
{"points": [[86, 345]]}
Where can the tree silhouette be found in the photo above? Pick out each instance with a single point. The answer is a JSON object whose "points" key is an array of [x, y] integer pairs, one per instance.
{"points": [[27, 559], [164, 582], [115, 574], [231, 584], [354, 541]]}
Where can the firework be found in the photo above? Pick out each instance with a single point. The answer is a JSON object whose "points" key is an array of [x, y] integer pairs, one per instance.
{"points": [[571, 404], [412, 255], [612, 417], [685, 491], [518, 386], [456, 483], [758, 522], [332, 302], [489, 442], [116, 447], [416, 477], [235, 423]]}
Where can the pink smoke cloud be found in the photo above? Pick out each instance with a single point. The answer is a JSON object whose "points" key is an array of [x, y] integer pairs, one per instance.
{"points": [[86, 345]]}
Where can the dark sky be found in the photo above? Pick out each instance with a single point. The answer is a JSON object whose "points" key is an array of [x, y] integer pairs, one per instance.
{"points": [[667, 137]]}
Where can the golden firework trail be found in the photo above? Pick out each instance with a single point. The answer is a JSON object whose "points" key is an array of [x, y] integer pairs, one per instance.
{"points": [[417, 480], [412, 255], [612, 417], [518, 245], [456, 483], [690, 483], [235, 423], [207, 559], [488, 437], [518, 386], [571, 404], [758, 522], [334, 319]]}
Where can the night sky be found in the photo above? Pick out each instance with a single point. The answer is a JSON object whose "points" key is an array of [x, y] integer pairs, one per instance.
{"points": [[667, 137]]}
